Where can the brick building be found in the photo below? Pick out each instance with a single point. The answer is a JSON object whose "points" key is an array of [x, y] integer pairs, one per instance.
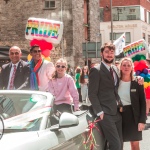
{"points": [[132, 17], [80, 18]]}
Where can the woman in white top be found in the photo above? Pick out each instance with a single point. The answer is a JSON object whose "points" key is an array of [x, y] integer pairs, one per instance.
{"points": [[133, 98]]}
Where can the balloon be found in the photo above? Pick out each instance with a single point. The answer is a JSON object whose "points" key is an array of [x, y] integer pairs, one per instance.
{"points": [[146, 84], [147, 92], [29, 57], [138, 73], [46, 53], [147, 78], [140, 65], [47, 58], [44, 45], [142, 75], [145, 71], [44, 29]]}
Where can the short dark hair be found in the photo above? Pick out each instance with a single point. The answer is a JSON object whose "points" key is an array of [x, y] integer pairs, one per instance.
{"points": [[32, 47], [108, 45]]}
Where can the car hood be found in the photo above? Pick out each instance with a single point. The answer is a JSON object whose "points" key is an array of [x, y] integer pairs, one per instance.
{"points": [[10, 141]]}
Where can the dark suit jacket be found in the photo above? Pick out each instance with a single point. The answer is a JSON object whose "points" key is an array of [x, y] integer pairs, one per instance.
{"points": [[138, 102], [101, 91], [21, 80]]}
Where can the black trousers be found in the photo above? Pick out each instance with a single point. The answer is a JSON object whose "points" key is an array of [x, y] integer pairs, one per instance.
{"points": [[111, 126], [62, 108], [79, 92]]}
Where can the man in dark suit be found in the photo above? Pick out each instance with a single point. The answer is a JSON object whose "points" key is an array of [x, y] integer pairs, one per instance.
{"points": [[103, 85], [15, 75]]}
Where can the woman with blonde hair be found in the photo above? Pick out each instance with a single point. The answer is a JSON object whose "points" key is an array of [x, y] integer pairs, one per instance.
{"points": [[62, 86], [134, 105]]}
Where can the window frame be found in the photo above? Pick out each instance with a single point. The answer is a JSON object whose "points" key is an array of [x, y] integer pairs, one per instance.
{"points": [[47, 8]]}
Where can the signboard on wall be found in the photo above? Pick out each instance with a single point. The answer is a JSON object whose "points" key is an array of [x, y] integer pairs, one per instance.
{"points": [[91, 49]]}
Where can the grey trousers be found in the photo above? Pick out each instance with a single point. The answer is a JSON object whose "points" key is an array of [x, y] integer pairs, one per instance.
{"points": [[112, 130]]}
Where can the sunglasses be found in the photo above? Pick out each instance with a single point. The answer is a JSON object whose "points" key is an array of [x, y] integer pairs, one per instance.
{"points": [[15, 53], [58, 66], [38, 51]]}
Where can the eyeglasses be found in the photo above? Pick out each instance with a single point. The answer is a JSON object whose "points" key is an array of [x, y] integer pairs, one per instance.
{"points": [[14, 53], [58, 66], [38, 51]]}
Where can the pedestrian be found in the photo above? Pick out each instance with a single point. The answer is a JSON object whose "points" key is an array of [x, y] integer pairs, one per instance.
{"points": [[84, 79], [41, 70], [103, 84], [77, 81], [133, 98], [15, 75], [62, 86]]}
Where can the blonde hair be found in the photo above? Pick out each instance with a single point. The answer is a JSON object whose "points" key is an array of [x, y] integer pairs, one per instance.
{"points": [[61, 60], [132, 72]]}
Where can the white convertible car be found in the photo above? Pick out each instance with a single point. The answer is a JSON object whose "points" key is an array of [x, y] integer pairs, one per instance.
{"points": [[29, 124]]}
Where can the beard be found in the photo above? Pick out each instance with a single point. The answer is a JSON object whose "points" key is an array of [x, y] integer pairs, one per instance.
{"points": [[107, 61]]}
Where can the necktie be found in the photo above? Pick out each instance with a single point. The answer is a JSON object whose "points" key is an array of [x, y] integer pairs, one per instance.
{"points": [[111, 72], [11, 85]]}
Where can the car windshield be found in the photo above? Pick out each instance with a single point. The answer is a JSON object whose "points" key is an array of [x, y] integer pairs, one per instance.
{"points": [[15, 104]]}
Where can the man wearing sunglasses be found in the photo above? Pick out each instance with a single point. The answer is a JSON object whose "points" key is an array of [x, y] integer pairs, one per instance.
{"points": [[41, 70], [15, 75]]}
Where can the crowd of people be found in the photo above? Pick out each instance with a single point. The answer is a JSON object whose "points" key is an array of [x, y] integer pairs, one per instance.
{"points": [[116, 95]]}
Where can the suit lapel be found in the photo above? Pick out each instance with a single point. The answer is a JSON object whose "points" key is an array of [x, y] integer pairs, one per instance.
{"points": [[117, 75], [19, 69], [106, 71]]}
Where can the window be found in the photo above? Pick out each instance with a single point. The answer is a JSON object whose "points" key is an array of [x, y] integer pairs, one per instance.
{"points": [[49, 4], [117, 35], [132, 10], [126, 13]]}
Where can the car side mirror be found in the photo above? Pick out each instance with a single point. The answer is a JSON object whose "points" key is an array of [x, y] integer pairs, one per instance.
{"points": [[68, 120]]}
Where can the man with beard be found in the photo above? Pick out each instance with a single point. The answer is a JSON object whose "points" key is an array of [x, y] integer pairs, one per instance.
{"points": [[41, 70], [103, 85]]}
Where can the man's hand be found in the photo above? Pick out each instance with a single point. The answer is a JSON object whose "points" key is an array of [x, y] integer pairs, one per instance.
{"points": [[140, 80], [101, 116], [141, 126]]}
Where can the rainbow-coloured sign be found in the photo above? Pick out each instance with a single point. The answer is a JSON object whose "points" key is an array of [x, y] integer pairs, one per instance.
{"points": [[44, 29], [138, 47]]}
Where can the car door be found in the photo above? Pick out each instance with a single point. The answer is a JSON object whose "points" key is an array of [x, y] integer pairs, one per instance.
{"points": [[78, 137]]}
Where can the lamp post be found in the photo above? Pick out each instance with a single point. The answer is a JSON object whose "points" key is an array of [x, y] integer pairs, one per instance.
{"points": [[111, 21], [62, 35]]}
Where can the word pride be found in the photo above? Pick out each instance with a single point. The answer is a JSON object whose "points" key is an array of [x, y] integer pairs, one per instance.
{"points": [[134, 48], [42, 29]]}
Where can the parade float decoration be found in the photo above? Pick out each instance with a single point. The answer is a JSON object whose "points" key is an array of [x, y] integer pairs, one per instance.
{"points": [[137, 52], [44, 33]]}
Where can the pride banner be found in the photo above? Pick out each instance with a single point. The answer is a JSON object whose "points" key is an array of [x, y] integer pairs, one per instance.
{"points": [[44, 29], [138, 47]]}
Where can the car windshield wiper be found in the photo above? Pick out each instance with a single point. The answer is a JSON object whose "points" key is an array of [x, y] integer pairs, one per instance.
{"points": [[14, 130]]}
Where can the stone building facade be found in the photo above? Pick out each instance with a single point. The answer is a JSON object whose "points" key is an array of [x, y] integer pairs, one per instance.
{"points": [[15, 13]]}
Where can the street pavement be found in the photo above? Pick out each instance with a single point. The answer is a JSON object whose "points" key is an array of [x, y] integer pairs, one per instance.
{"points": [[145, 143]]}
